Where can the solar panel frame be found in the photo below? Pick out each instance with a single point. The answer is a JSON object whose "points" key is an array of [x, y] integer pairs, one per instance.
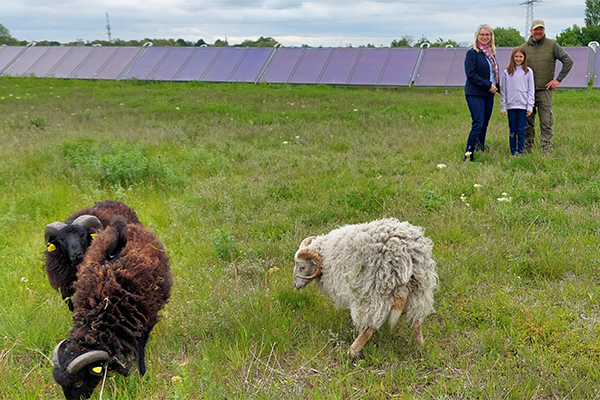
{"points": [[399, 68], [67, 65], [25, 61], [171, 63], [251, 64], [146, 63], [282, 65], [340, 66]]}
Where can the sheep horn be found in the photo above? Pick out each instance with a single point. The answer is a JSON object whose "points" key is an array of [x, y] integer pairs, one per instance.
{"points": [[52, 229], [313, 276], [86, 359], [88, 221], [55, 354]]}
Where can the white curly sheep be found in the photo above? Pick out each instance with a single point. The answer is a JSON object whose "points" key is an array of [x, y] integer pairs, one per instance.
{"points": [[376, 270]]}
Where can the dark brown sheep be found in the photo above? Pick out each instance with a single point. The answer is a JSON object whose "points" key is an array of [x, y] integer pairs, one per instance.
{"points": [[67, 242], [122, 284]]}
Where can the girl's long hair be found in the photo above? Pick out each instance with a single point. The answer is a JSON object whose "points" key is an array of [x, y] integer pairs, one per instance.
{"points": [[511, 64]]}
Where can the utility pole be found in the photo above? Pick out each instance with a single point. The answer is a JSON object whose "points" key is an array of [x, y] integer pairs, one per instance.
{"points": [[108, 29], [529, 18]]}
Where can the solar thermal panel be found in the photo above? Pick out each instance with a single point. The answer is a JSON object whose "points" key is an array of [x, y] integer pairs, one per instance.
{"points": [[65, 67], [310, 65], [117, 64], [196, 65], [224, 64], [25, 61], [399, 67], [597, 70], [171, 63], [340, 66], [456, 74], [92, 64], [282, 64], [579, 76], [48, 61], [251, 64], [8, 54], [369, 66], [435, 67], [146, 63]]}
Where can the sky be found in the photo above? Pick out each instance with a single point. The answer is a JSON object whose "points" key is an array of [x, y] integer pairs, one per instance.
{"points": [[328, 23]]}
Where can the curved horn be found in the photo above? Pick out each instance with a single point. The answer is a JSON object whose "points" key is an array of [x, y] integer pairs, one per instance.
{"points": [[307, 241], [313, 255], [52, 229], [55, 354], [88, 221], [86, 359]]}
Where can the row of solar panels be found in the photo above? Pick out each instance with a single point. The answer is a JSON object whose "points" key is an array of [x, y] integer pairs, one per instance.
{"points": [[424, 67]]}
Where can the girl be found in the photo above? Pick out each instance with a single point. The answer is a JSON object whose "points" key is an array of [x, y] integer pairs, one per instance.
{"points": [[517, 98]]}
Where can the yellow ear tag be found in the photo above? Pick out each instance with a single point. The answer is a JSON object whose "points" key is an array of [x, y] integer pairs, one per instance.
{"points": [[93, 235], [97, 369], [51, 247]]}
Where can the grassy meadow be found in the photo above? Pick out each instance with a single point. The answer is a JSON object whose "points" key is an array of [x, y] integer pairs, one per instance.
{"points": [[232, 177]]}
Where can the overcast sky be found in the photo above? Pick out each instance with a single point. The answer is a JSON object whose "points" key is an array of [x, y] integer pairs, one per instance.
{"points": [[327, 23]]}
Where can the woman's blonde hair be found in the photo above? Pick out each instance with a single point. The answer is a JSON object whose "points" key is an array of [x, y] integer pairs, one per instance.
{"points": [[476, 41]]}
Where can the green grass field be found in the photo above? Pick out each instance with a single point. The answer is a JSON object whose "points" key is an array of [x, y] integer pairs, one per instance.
{"points": [[232, 177]]}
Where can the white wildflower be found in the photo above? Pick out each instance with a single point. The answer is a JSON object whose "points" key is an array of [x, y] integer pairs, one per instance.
{"points": [[477, 185], [468, 153], [441, 166], [285, 142], [23, 279], [177, 108]]}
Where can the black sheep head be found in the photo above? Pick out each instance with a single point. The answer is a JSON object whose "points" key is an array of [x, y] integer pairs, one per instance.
{"points": [[72, 240], [78, 372]]}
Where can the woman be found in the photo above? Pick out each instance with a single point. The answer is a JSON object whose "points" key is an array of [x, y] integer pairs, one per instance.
{"points": [[481, 69]]}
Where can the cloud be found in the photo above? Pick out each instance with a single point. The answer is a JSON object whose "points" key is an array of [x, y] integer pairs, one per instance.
{"points": [[291, 22]]}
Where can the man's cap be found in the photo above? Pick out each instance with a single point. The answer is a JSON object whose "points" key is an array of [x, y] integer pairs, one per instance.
{"points": [[538, 23]]}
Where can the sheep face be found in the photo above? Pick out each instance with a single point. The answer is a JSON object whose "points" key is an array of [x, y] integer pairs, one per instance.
{"points": [[72, 241], [307, 264], [78, 373]]}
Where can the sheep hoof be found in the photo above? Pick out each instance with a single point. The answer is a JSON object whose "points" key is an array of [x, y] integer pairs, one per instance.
{"points": [[353, 353]]}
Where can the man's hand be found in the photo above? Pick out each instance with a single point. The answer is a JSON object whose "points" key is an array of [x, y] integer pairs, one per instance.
{"points": [[552, 84]]}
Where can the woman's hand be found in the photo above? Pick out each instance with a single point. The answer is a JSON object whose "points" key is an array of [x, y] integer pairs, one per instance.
{"points": [[493, 89]]}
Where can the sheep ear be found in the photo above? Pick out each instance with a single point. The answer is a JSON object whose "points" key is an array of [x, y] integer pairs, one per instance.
{"points": [[307, 241]]}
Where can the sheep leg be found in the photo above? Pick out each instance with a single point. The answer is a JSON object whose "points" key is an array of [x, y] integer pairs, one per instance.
{"points": [[397, 308], [360, 341], [418, 332], [142, 353]]}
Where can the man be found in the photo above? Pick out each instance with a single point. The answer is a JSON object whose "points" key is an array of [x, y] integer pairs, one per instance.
{"points": [[542, 54]]}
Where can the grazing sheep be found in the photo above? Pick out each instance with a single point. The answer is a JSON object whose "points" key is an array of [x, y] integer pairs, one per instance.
{"points": [[67, 242], [122, 284], [376, 270]]}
